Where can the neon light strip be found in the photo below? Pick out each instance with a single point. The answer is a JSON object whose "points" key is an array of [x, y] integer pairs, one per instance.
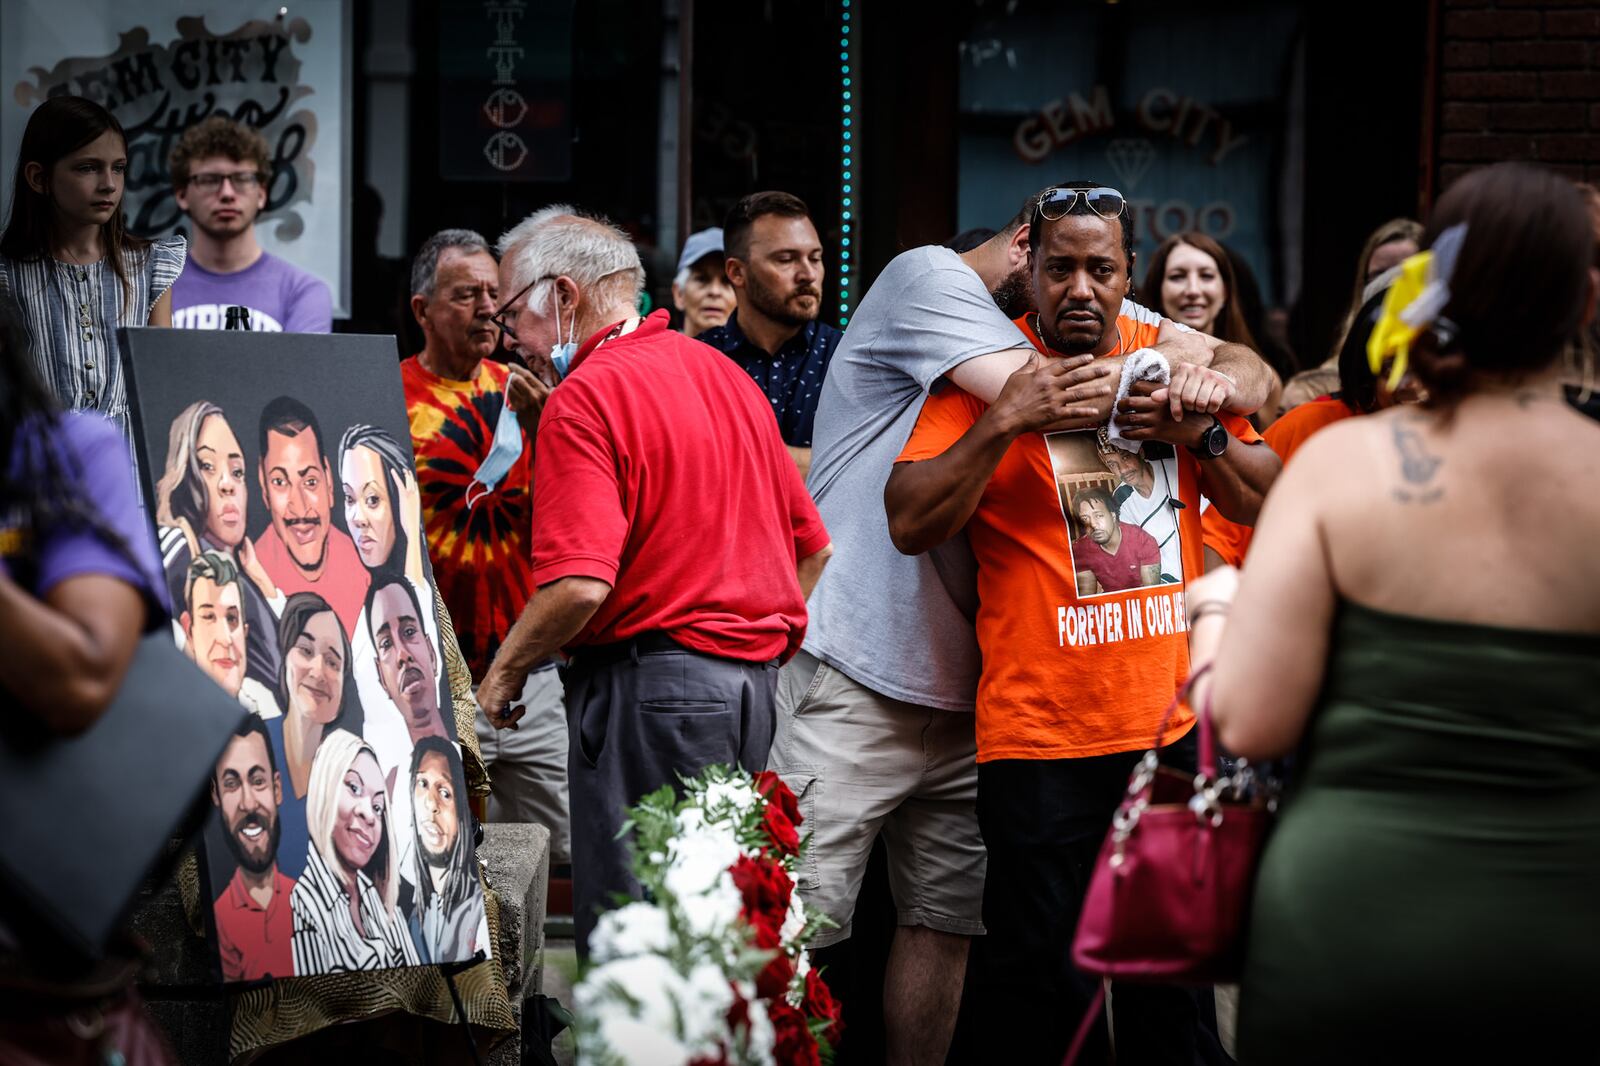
{"points": [[849, 170]]}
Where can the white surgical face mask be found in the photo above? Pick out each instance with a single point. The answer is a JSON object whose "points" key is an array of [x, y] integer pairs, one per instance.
{"points": [[503, 454], [561, 354]]}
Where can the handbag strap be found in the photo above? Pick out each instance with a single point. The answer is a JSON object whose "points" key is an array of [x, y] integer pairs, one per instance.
{"points": [[1086, 1026], [1207, 755]]}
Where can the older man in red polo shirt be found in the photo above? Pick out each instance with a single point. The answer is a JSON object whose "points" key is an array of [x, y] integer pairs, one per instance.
{"points": [[674, 543]]}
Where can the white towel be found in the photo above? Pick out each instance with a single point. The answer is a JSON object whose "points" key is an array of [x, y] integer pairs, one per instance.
{"points": [[1146, 364]]}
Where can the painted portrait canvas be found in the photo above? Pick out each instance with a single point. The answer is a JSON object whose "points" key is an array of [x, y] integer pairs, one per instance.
{"points": [[278, 473]]}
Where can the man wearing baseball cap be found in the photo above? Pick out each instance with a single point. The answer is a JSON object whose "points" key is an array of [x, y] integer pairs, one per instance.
{"points": [[700, 289]]}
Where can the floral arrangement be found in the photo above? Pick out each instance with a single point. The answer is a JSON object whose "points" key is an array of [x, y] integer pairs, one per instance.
{"points": [[711, 969]]}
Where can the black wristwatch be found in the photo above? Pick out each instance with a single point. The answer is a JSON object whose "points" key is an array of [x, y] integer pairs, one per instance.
{"points": [[1213, 442]]}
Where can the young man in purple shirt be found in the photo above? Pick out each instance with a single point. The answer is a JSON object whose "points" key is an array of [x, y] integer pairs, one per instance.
{"points": [[220, 170]]}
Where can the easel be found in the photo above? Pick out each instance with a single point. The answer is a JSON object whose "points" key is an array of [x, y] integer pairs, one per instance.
{"points": [[448, 971]]}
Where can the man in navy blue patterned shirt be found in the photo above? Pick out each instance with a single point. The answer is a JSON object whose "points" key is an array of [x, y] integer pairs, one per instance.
{"points": [[774, 263]]}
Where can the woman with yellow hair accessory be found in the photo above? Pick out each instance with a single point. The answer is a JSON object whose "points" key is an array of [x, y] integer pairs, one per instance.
{"points": [[1419, 621]]}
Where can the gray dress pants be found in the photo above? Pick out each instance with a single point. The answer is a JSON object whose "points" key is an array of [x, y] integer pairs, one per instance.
{"points": [[639, 715]]}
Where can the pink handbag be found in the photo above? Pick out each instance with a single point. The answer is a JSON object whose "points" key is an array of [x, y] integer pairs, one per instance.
{"points": [[1170, 892]]}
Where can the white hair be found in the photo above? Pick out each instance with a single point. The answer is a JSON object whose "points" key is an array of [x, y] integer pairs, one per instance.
{"points": [[681, 279], [591, 251]]}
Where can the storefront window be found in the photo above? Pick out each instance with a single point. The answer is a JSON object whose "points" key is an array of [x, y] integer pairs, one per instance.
{"points": [[1192, 115]]}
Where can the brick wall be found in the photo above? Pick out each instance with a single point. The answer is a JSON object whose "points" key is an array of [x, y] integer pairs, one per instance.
{"points": [[1518, 79]]}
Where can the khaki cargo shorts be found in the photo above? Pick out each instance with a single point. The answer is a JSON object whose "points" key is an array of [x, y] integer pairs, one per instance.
{"points": [[861, 763]]}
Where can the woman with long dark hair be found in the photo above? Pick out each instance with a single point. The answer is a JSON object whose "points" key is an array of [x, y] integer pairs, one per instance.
{"points": [[67, 258], [79, 586], [382, 506], [1192, 281], [1191, 278]]}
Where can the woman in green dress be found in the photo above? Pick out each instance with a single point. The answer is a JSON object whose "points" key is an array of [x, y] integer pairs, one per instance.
{"points": [[1420, 619]]}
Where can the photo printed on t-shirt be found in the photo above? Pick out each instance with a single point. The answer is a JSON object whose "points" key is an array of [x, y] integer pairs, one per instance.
{"points": [[1121, 511]]}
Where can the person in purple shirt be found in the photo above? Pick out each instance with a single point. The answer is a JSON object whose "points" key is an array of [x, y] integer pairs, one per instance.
{"points": [[220, 170], [79, 586]]}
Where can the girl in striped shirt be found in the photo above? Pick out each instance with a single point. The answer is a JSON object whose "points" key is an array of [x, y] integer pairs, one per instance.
{"points": [[70, 262]]}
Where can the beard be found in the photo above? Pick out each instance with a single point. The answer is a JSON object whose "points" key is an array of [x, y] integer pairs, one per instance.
{"points": [[242, 854], [437, 859], [1077, 345], [780, 307], [1014, 294], [221, 231]]}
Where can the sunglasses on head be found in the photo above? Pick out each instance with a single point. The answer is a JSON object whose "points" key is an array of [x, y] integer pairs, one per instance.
{"points": [[1059, 202]]}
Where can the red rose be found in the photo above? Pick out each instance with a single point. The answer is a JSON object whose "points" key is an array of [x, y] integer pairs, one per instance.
{"points": [[770, 785], [782, 815], [772, 983], [820, 1004], [765, 887], [781, 833], [793, 1044]]}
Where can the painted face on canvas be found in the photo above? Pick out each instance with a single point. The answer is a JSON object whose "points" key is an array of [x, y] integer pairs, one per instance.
{"points": [[358, 826], [433, 801], [368, 505], [299, 496], [247, 793], [405, 657], [214, 629], [221, 462], [315, 665]]}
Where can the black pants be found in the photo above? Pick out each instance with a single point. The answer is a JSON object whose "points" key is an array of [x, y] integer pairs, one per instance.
{"points": [[1043, 822], [639, 716]]}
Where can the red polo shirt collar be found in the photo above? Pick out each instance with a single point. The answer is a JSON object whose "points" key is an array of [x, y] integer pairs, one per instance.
{"points": [[654, 322]]}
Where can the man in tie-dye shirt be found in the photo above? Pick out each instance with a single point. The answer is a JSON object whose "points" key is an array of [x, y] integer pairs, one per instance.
{"points": [[479, 540]]}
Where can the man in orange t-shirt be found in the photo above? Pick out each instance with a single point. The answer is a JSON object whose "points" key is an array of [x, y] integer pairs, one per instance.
{"points": [[1074, 683]]}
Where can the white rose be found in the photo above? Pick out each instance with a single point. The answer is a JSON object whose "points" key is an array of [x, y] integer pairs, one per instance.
{"points": [[636, 1043], [705, 1009], [736, 794], [696, 860], [636, 929], [710, 913]]}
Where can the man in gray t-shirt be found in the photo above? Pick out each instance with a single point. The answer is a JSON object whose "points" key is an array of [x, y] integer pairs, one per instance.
{"points": [[874, 717]]}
